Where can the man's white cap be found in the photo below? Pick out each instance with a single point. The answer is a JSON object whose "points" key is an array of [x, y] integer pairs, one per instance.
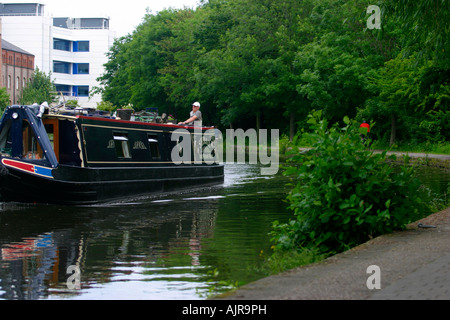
{"points": [[196, 104]]}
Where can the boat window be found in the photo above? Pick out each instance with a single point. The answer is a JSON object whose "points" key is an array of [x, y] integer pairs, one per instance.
{"points": [[121, 144], [69, 151], [154, 146], [6, 139], [31, 147], [51, 127]]}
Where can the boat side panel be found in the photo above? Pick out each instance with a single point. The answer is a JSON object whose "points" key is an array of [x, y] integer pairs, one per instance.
{"points": [[72, 185], [102, 143]]}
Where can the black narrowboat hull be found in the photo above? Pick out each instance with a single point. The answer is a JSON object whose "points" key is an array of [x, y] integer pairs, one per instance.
{"points": [[84, 186], [54, 158]]}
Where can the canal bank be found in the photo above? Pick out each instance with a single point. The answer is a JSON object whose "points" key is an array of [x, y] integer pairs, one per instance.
{"points": [[427, 159], [411, 264], [430, 159]]}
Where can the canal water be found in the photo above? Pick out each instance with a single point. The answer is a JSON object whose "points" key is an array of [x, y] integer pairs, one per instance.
{"points": [[185, 245]]}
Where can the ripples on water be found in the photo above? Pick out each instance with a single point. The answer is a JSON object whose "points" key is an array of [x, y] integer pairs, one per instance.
{"points": [[182, 245], [175, 246]]}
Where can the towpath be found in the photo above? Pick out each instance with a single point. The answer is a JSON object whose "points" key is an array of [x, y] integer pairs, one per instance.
{"points": [[413, 264]]}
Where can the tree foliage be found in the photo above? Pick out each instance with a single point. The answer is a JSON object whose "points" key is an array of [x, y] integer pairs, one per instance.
{"points": [[4, 99], [39, 89], [268, 63], [425, 26]]}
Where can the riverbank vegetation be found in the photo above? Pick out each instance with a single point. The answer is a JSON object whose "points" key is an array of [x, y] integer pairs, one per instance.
{"points": [[343, 193], [267, 64]]}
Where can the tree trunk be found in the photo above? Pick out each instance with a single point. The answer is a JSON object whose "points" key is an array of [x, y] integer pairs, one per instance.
{"points": [[258, 125], [393, 130], [258, 122], [292, 127]]}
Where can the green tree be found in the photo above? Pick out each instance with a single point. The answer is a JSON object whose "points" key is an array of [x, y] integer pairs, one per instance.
{"points": [[250, 73], [177, 75], [132, 74], [410, 104], [4, 99], [267, 63], [41, 88], [113, 82], [425, 27], [145, 60]]}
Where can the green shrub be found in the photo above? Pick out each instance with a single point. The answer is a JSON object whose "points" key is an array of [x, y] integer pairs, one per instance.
{"points": [[343, 194], [106, 106]]}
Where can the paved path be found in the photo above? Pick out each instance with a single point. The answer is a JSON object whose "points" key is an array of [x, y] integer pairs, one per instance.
{"points": [[414, 264], [423, 155], [440, 157]]}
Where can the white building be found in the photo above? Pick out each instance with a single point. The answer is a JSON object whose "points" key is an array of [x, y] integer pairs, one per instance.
{"points": [[72, 49]]}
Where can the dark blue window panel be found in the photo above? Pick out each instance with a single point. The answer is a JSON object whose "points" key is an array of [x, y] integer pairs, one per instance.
{"points": [[83, 46], [65, 89], [80, 68], [60, 44], [83, 91], [83, 68], [61, 67]]}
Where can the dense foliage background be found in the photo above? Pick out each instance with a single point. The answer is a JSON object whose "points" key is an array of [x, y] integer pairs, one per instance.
{"points": [[268, 63]]}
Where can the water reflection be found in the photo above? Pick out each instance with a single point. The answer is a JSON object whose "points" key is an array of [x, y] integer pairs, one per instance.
{"points": [[174, 246]]}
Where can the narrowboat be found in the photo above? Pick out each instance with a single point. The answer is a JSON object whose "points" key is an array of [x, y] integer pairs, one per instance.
{"points": [[80, 158]]}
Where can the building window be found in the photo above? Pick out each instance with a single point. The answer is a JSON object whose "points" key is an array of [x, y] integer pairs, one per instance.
{"points": [[60, 44], [64, 89], [83, 91], [81, 68], [9, 82], [81, 46], [61, 67]]}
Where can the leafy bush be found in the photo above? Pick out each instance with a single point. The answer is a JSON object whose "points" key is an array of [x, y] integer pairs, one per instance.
{"points": [[4, 100], [106, 106], [344, 194]]}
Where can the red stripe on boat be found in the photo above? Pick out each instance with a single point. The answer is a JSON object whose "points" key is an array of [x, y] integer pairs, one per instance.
{"points": [[19, 165]]}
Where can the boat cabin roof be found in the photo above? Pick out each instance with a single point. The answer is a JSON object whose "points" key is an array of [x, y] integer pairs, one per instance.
{"points": [[94, 132]]}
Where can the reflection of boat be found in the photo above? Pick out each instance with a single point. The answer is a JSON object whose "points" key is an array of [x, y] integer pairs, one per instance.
{"points": [[84, 159], [25, 248], [108, 243]]}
